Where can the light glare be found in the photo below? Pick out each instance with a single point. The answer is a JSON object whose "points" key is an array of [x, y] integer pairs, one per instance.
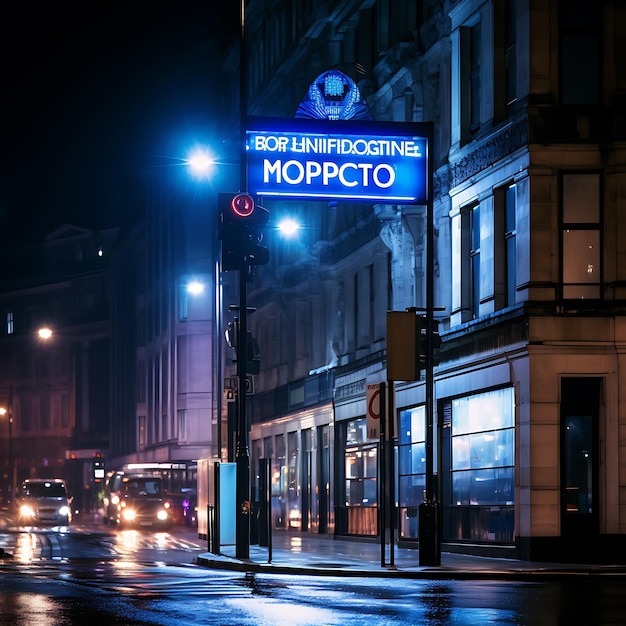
{"points": [[195, 287], [201, 163], [288, 227]]}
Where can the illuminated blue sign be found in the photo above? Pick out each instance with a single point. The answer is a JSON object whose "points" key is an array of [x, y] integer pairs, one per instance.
{"points": [[318, 159]]}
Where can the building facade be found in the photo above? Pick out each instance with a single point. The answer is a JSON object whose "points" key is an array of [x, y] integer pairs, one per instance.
{"points": [[526, 101], [55, 389], [528, 155]]}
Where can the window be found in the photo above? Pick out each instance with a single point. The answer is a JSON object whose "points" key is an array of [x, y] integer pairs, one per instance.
{"points": [[510, 243], [474, 253], [470, 81], [581, 236], [10, 328], [505, 267], [360, 466], [505, 57], [478, 462], [580, 51], [466, 262], [411, 462], [182, 424], [141, 432], [510, 52]]}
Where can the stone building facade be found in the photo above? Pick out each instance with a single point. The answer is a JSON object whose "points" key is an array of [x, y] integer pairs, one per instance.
{"points": [[527, 104]]}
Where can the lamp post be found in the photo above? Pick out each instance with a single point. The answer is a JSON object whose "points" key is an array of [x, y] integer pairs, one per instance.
{"points": [[202, 164], [9, 413], [242, 454]]}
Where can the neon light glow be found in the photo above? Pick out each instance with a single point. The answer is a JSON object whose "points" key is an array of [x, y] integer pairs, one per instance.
{"points": [[364, 161]]}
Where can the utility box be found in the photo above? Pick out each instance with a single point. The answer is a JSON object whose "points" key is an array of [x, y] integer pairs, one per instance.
{"points": [[216, 494]]}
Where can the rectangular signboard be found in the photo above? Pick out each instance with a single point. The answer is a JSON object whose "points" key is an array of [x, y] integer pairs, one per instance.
{"points": [[338, 160]]}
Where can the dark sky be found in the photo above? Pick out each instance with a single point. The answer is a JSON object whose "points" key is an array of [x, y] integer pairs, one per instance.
{"points": [[94, 94]]}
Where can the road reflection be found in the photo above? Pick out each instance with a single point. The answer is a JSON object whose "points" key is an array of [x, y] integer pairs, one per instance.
{"points": [[26, 547]]}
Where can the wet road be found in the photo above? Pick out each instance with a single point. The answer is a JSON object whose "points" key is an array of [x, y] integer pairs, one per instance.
{"points": [[95, 575]]}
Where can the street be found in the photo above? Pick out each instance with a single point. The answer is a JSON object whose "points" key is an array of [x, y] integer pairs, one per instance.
{"points": [[98, 575]]}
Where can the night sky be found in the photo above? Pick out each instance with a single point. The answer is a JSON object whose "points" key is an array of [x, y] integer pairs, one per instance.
{"points": [[92, 95]]}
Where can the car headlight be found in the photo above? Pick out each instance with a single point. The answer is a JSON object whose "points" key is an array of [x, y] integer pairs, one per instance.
{"points": [[27, 511], [64, 511], [162, 515], [128, 514]]}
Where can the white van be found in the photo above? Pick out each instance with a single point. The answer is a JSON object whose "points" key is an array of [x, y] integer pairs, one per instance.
{"points": [[43, 501]]}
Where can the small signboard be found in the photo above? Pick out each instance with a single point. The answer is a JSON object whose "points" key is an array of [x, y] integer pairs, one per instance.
{"points": [[372, 418]]}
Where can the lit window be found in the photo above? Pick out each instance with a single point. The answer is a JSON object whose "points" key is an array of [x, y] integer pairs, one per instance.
{"points": [[581, 236]]}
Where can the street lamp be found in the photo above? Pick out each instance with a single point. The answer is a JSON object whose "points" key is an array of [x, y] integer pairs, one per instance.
{"points": [[201, 162], [9, 413], [195, 287], [44, 333], [288, 227]]}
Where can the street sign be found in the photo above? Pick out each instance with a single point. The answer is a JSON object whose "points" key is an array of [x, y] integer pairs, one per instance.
{"points": [[372, 418], [231, 384]]}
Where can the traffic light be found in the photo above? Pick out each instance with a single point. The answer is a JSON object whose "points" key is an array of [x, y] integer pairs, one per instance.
{"points": [[436, 339], [98, 470], [253, 352], [241, 223], [253, 355], [405, 345]]}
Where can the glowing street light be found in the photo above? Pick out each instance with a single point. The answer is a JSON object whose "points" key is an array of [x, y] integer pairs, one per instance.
{"points": [[195, 287], [44, 333], [201, 163], [288, 227]]}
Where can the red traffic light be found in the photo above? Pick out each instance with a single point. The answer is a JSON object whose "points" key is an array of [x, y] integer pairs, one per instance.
{"points": [[242, 205]]}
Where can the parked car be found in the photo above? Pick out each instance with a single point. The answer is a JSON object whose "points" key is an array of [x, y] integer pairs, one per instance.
{"points": [[183, 506], [136, 501], [190, 508], [43, 502]]}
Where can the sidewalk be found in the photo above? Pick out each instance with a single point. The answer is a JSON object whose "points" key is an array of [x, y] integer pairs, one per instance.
{"points": [[323, 555]]}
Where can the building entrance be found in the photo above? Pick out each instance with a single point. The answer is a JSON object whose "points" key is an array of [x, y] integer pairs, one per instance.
{"points": [[580, 402]]}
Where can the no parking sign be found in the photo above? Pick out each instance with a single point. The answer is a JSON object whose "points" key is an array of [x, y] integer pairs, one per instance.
{"points": [[372, 421], [381, 410]]}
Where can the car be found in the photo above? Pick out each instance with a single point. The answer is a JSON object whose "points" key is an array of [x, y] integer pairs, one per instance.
{"points": [[190, 508], [184, 506], [137, 502], [110, 497], [43, 501]]}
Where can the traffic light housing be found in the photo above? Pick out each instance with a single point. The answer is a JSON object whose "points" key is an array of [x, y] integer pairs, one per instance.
{"points": [[436, 339], [253, 352], [406, 345], [241, 222], [98, 470]]}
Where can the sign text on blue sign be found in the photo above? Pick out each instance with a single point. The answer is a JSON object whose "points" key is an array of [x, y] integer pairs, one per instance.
{"points": [[318, 159]]}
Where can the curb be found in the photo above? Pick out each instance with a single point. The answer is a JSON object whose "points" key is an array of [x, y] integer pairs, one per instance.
{"points": [[443, 573]]}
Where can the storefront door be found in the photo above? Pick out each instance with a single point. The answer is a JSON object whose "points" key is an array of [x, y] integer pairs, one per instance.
{"points": [[580, 402]]}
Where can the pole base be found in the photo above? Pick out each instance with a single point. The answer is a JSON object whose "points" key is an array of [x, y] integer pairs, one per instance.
{"points": [[429, 542]]}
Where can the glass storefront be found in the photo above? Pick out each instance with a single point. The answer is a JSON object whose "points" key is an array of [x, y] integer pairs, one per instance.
{"points": [[358, 513], [411, 468], [478, 467]]}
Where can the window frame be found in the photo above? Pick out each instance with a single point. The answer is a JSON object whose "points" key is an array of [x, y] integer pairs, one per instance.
{"points": [[580, 226]]}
